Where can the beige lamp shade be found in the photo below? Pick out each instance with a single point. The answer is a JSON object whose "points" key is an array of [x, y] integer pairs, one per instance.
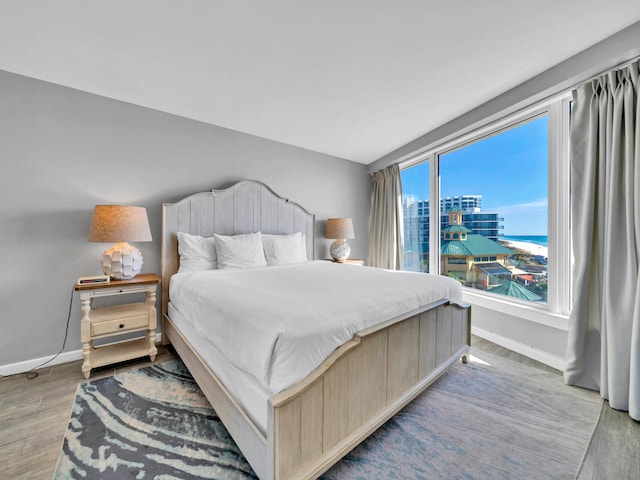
{"points": [[339, 228], [120, 224]]}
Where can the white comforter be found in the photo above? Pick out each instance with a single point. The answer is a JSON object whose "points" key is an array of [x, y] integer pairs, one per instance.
{"points": [[279, 323]]}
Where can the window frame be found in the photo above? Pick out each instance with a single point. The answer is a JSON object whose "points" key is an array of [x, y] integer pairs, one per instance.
{"points": [[557, 109]]}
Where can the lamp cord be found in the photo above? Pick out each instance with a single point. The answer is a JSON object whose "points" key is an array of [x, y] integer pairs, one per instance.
{"points": [[31, 374]]}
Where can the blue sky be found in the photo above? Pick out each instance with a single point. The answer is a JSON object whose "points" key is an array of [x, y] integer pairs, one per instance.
{"points": [[509, 170]]}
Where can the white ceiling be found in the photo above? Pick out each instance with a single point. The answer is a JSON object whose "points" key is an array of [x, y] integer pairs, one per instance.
{"points": [[351, 78]]}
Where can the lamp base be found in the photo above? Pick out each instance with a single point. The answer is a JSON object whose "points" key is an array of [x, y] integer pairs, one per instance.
{"points": [[121, 261], [340, 250]]}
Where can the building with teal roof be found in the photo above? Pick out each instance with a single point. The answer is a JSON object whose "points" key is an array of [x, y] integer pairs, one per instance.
{"points": [[472, 258], [515, 290]]}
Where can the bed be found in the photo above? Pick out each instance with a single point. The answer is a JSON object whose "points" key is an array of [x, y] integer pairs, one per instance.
{"points": [[295, 420]]}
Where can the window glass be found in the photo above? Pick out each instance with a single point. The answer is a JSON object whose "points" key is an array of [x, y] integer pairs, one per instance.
{"points": [[496, 190], [415, 205]]}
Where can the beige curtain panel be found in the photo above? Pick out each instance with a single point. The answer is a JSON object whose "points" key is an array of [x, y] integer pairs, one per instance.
{"points": [[604, 327], [385, 226]]}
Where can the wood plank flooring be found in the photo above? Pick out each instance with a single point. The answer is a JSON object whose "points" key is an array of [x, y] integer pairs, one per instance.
{"points": [[614, 451], [616, 439], [34, 416]]}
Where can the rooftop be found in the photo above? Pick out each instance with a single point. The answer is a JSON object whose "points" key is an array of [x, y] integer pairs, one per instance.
{"points": [[456, 228], [475, 245], [515, 290], [493, 268]]}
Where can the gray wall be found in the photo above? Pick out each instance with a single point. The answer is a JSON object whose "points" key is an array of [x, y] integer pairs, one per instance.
{"points": [[63, 151]]}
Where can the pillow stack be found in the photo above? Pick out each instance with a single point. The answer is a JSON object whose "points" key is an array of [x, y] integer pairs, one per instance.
{"points": [[240, 251]]}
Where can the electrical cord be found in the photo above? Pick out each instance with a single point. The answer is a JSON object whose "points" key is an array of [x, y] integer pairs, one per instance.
{"points": [[31, 374]]}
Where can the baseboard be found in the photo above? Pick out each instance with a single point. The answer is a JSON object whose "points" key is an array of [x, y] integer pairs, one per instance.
{"points": [[526, 350], [64, 357], [27, 365]]}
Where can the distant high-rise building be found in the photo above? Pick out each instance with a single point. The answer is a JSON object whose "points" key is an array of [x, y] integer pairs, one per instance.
{"points": [[416, 233], [487, 224], [466, 203]]}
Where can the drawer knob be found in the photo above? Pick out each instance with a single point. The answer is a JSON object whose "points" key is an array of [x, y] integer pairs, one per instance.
{"points": [[121, 325]]}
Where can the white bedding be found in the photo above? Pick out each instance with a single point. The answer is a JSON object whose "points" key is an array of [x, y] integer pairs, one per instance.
{"points": [[279, 323], [245, 390]]}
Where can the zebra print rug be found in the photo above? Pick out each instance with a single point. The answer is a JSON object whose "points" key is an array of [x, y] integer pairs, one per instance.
{"points": [[494, 418]]}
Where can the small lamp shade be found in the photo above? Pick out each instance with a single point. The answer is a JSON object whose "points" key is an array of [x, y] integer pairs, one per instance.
{"points": [[339, 229], [120, 224]]}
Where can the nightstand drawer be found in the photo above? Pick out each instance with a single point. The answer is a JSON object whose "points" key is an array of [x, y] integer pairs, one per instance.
{"points": [[120, 318], [122, 325]]}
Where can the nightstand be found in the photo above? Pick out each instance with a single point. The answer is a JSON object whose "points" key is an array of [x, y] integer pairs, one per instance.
{"points": [[349, 261], [105, 322]]}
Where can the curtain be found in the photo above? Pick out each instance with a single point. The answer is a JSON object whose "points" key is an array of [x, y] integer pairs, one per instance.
{"points": [[385, 226], [604, 327]]}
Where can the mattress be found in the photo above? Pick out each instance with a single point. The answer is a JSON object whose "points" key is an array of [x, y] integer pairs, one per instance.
{"points": [[277, 324]]}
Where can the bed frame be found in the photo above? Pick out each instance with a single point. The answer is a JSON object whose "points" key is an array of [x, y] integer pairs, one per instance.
{"points": [[359, 386]]}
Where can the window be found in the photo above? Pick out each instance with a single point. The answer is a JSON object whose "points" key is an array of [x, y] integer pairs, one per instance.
{"points": [[503, 194], [456, 261]]}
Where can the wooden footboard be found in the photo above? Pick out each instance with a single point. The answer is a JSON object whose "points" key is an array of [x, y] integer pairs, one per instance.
{"points": [[360, 386]]}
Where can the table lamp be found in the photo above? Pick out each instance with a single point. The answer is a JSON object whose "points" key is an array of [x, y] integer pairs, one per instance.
{"points": [[339, 229], [120, 224]]}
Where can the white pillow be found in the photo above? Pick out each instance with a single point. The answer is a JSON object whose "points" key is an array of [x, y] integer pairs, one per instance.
{"points": [[240, 251], [196, 253], [285, 249]]}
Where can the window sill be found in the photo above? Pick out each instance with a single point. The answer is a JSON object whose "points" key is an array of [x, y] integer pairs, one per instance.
{"points": [[526, 312]]}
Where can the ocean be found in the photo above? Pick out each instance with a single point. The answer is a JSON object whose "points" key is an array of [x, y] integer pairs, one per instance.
{"points": [[542, 240]]}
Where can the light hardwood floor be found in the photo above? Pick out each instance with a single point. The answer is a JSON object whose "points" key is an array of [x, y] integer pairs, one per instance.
{"points": [[614, 451], [34, 416]]}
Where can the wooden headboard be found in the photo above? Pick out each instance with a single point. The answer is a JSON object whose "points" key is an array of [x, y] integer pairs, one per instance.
{"points": [[245, 207]]}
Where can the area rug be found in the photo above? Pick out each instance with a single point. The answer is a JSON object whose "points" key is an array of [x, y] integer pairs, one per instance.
{"points": [[151, 423], [491, 419]]}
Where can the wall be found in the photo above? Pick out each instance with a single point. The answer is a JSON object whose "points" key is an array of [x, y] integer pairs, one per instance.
{"points": [[542, 339], [64, 151]]}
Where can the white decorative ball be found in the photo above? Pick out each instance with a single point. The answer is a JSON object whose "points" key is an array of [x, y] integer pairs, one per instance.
{"points": [[122, 261]]}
